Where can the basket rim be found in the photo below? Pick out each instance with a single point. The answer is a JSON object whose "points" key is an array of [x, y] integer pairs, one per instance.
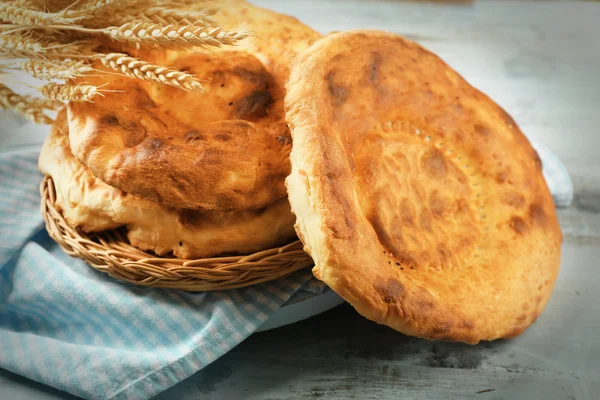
{"points": [[110, 252]]}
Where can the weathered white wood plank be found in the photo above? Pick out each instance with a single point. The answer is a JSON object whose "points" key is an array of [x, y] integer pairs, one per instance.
{"points": [[341, 355], [539, 60]]}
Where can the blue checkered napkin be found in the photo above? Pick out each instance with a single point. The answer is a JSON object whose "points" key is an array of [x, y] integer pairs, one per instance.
{"points": [[66, 325]]}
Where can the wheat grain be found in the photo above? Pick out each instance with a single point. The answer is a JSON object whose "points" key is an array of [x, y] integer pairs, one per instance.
{"points": [[21, 15], [65, 69], [174, 35], [136, 68], [66, 92], [22, 105]]}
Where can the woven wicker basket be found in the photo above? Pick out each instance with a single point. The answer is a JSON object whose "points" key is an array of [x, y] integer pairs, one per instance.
{"points": [[111, 253]]}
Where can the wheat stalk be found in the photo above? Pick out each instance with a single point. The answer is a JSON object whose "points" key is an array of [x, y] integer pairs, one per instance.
{"points": [[65, 92], [136, 68], [50, 5], [65, 69], [22, 15], [22, 105], [34, 46], [174, 35], [102, 13]]}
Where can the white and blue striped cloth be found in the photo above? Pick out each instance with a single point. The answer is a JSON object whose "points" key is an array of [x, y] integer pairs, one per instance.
{"points": [[66, 325]]}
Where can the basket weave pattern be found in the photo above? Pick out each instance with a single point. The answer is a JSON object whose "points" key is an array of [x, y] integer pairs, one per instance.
{"points": [[111, 253]]}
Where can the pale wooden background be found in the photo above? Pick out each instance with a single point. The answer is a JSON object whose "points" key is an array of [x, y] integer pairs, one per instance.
{"points": [[541, 61]]}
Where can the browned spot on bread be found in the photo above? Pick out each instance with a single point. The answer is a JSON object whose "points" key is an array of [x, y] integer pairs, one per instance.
{"points": [[135, 133], [522, 317], [258, 78], [514, 199], [189, 218], [434, 164], [425, 306], [405, 259], [143, 99], [254, 105], [438, 205], [518, 225], [110, 119], [338, 93], [373, 69], [538, 215], [462, 206], [467, 325], [502, 177], [223, 137], [337, 193], [391, 291], [525, 306], [193, 136], [482, 129]]}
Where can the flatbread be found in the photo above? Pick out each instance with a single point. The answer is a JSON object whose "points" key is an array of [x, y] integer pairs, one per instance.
{"points": [[89, 204], [223, 150], [419, 199]]}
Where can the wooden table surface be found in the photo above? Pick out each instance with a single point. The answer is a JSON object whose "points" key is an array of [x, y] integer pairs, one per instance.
{"points": [[539, 60]]}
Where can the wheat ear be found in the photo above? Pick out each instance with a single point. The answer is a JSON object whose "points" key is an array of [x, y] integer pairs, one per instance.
{"points": [[174, 35], [19, 14], [23, 105], [136, 68], [34, 46], [65, 69], [168, 16], [66, 92]]}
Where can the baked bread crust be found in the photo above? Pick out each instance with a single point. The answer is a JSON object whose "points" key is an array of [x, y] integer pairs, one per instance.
{"points": [[89, 204], [419, 199], [226, 149]]}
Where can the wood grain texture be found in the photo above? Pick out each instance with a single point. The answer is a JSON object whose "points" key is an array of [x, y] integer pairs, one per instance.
{"points": [[540, 61]]}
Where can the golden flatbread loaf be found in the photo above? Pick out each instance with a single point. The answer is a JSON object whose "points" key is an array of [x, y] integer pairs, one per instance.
{"points": [[226, 149], [91, 205], [419, 199]]}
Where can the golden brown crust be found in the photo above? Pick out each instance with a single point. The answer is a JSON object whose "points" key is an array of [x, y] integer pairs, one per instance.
{"points": [[418, 197], [89, 204], [226, 149]]}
